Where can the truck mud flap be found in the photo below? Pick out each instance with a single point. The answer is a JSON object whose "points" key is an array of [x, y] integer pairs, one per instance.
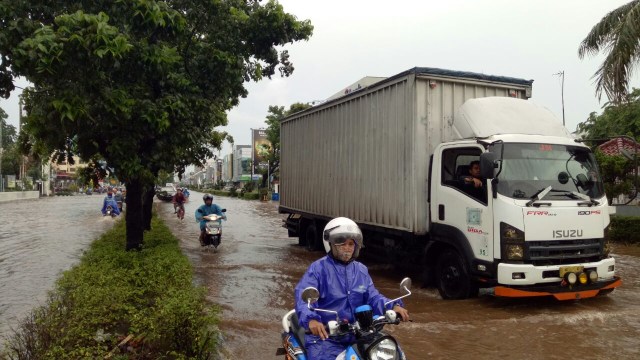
{"points": [[560, 292]]}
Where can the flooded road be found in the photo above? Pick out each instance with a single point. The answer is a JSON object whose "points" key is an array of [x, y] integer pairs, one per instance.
{"points": [[39, 239], [253, 275]]}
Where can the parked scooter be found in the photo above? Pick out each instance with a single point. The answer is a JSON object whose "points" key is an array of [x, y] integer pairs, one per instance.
{"points": [[371, 342], [213, 230]]}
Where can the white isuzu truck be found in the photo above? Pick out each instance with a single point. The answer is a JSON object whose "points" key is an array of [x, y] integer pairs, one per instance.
{"points": [[395, 156]]}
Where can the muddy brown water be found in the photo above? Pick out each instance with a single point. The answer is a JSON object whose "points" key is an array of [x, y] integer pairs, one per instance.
{"points": [[253, 275], [39, 239]]}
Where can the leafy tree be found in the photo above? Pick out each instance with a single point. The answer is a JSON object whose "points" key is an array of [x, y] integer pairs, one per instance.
{"points": [[142, 84], [8, 131], [276, 114], [10, 158], [617, 34], [616, 120], [616, 174]]}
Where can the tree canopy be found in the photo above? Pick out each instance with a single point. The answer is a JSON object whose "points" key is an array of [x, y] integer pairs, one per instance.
{"points": [[616, 120], [142, 84], [275, 115], [618, 35]]}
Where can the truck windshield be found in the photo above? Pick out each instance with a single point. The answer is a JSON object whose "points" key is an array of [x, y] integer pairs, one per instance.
{"points": [[527, 169]]}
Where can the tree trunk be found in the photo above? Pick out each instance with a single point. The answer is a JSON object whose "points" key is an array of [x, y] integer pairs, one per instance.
{"points": [[147, 206], [134, 215]]}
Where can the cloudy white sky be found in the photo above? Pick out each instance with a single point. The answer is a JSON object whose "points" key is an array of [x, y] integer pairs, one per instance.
{"points": [[354, 38]]}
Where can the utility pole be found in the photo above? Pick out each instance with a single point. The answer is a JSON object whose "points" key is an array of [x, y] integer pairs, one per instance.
{"points": [[561, 75]]}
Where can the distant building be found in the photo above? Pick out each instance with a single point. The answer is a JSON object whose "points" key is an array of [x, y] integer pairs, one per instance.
{"points": [[65, 173], [241, 163], [620, 145], [227, 168]]}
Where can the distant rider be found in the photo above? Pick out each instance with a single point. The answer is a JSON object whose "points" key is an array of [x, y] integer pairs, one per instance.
{"points": [[118, 198], [109, 200], [178, 200], [207, 209], [186, 192]]}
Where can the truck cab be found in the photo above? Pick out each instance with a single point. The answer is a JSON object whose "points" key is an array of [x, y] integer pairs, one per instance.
{"points": [[535, 227]]}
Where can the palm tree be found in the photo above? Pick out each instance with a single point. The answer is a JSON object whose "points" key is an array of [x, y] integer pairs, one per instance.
{"points": [[618, 33]]}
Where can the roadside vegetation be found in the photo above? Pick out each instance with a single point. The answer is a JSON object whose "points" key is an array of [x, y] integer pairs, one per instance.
{"points": [[122, 305], [625, 229]]}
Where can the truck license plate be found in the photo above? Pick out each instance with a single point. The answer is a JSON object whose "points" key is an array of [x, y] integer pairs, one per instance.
{"points": [[568, 269]]}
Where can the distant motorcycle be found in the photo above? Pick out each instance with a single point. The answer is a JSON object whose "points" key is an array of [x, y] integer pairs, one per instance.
{"points": [[213, 231], [371, 342], [109, 211]]}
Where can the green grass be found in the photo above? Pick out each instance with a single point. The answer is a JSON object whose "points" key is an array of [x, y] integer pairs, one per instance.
{"points": [[111, 294]]}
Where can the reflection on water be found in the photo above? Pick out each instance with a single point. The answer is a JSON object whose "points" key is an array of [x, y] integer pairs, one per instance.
{"points": [[253, 275], [40, 239]]}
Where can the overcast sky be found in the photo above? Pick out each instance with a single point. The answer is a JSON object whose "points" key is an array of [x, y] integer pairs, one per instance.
{"points": [[352, 39]]}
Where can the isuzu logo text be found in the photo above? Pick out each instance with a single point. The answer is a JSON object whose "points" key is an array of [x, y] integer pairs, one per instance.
{"points": [[567, 234]]}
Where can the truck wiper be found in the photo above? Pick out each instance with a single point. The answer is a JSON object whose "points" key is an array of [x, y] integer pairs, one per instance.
{"points": [[576, 195], [539, 195]]}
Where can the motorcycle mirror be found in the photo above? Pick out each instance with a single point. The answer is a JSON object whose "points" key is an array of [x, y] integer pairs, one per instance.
{"points": [[310, 295], [405, 285]]}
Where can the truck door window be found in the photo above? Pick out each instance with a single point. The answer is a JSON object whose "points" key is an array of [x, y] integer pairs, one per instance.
{"points": [[456, 164]]}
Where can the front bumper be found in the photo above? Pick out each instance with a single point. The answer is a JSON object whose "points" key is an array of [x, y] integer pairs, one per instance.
{"points": [[522, 280]]}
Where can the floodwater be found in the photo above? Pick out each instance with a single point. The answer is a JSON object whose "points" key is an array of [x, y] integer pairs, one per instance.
{"points": [[39, 239], [254, 272]]}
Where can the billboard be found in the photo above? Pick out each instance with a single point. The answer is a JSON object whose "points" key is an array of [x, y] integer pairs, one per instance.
{"points": [[11, 181], [260, 149]]}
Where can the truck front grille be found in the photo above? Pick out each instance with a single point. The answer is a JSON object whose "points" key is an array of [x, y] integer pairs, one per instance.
{"points": [[558, 252]]}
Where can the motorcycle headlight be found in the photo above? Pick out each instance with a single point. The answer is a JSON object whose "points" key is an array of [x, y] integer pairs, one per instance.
{"points": [[386, 349]]}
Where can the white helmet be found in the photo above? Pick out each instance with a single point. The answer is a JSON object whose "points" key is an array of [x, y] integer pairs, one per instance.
{"points": [[338, 231]]}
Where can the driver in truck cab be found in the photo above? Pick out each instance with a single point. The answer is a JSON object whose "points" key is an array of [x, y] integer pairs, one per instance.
{"points": [[472, 183], [344, 284]]}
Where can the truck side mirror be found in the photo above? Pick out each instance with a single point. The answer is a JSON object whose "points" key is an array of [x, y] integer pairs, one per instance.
{"points": [[487, 165]]}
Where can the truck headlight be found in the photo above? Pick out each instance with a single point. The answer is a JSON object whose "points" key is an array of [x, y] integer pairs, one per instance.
{"points": [[510, 233], [515, 252], [512, 242], [386, 349]]}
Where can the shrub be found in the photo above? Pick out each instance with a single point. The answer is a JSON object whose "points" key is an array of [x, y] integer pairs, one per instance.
{"points": [[113, 293], [249, 186], [625, 229], [251, 196]]}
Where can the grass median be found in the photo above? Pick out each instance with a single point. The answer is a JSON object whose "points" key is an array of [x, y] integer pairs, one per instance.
{"points": [[122, 305]]}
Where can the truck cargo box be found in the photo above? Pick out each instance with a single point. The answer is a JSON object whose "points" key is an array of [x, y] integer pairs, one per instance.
{"points": [[366, 155]]}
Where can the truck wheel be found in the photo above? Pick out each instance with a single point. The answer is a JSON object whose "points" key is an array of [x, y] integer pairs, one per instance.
{"points": [[453, 278], [313, 240]]}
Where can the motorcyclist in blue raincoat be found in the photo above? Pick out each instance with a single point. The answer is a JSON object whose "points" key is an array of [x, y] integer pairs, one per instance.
{"points": [[344, 284], [109, 200], [207, 209]]}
